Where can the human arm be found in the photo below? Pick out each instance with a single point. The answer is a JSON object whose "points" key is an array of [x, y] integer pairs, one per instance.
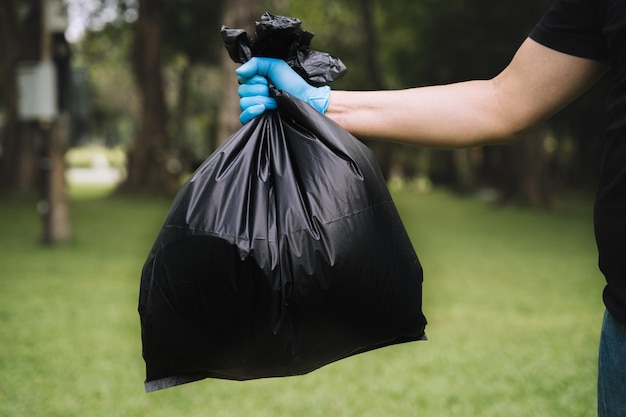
{"points": [[538, 82]]}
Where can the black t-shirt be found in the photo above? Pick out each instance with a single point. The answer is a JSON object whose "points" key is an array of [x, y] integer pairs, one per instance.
{"points": [[596, 29]]}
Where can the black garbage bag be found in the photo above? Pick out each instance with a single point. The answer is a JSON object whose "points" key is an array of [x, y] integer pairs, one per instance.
{"points": [[283, 38], [282, 253]]}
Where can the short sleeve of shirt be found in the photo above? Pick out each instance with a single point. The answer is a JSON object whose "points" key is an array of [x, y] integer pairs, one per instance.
{"points": [[573, 27]]}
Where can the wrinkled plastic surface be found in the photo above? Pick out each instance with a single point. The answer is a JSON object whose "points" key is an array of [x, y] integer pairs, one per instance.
{"points": [[282, 253], [283, 38]]}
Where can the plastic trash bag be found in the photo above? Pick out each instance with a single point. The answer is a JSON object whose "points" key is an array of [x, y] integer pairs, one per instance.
{"points": [[283, 38], [282, 253]]}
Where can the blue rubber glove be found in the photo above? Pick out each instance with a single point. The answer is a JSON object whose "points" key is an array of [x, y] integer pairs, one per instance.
{"points": [[255, 98], [254, 88]]}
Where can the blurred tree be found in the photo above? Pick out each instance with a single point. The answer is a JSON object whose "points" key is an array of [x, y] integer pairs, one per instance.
{"points": [[170, 38], [373, 74], [579, 132], [18, 156], [103, 55], [192, 48], [190, 52], [10, 38], [152, 167], [36, 135], [238, 14], [338, 27]]}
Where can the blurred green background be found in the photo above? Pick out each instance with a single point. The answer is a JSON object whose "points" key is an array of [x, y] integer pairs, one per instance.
{"points": [[153, 80]]}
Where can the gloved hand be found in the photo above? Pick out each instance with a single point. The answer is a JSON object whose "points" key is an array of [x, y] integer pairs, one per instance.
{"points": [[254, 88], [255, 98]]}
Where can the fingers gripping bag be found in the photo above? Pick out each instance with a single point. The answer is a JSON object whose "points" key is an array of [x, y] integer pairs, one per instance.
{"points": [[282, 253]]}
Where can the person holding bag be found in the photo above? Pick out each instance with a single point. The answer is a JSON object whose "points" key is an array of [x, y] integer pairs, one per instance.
{"points": [[571, 47]]}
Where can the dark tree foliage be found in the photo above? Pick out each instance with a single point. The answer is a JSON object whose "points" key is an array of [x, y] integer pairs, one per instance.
{"points": [[164, 30], [468, 39], [191, 28], [437, 42], [18, 139]]}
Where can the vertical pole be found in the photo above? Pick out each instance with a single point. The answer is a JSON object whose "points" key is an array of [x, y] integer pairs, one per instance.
{"points": [[44, 206], [54, 205], [60, 228]]}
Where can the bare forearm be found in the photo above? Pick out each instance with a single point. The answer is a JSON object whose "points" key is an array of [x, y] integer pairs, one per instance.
{"points": [[538, 82], [446, 116]]}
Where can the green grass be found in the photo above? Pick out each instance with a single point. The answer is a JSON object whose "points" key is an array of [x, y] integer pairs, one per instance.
{"points": [[512, 297]]}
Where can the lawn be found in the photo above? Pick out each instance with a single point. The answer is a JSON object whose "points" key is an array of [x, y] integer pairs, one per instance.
{"points": [[512, 296]]}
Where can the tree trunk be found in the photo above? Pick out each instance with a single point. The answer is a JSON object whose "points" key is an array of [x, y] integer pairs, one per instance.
{"points": [[529, 180], [182, 106], [237, 14], [370, 45], [152, 166], [55, 212], [382, 150], [17, 162]]}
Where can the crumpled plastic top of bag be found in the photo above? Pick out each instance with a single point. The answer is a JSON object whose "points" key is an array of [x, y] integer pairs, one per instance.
{"points": [[282, 37]]}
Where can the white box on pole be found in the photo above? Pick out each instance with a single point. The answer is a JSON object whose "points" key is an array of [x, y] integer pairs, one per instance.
{"points": [[37, 90], [56, 15]]}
